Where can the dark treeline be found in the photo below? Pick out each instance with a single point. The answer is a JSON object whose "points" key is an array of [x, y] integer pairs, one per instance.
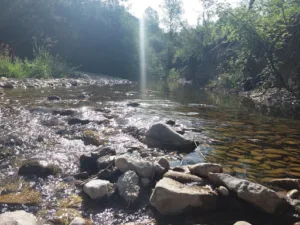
{"points": [[253, 45]]}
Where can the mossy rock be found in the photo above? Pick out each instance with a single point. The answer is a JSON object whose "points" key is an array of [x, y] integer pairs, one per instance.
{"points": [[91, 137], [28, 197], [73, 201], [64, 216], [38, 168]]}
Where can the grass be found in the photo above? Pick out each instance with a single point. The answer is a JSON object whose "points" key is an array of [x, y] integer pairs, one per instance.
{"points": [[44, 65]]}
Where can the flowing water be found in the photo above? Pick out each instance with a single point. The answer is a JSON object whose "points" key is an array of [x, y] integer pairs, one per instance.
{"points": [[230, 130]]}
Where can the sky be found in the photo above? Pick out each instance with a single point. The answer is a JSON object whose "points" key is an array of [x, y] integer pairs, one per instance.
{"points": [[192, 8]]}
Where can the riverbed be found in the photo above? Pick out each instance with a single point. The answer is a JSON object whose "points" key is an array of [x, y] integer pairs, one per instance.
{"points": [[229, 130]]}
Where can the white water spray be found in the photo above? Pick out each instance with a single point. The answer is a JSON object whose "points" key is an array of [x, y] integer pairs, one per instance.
{"points": [[143, 72]]}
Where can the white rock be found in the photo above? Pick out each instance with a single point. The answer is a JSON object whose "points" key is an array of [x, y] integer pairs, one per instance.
{"points": [[142, 168], [78, 221], [171, 197], [128, 186], [223, 191], [242, 223], [97, 188], [18, 218]]}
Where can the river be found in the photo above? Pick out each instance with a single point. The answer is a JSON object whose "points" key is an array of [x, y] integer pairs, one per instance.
{"points": [[231, 131]]}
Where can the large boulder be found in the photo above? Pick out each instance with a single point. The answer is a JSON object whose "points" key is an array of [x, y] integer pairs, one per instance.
{"points": [[255, 194], [18, 218], [171, 197], [141, 167], [162, 136], [38, 168], [128, 186], [202, 169], [97, 188]]}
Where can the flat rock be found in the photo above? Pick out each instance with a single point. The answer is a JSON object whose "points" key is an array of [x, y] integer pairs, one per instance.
{"points": [[18, 218], [162, 136], [171, 197], [128, 186], [183, 177], [97, 188], [203, 169], [255, 194], [141, 167]]}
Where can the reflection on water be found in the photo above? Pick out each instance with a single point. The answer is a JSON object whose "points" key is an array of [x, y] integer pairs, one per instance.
{"points": [[233, 133]]}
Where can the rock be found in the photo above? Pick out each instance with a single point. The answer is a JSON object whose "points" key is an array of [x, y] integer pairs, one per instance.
{"points": [[159, 170], [287, 184], [133, 104], [73, 121], [142, 168], [145, 182], [298, 223], [203, 169], [255, 194], [18, 218], [163, 162], [8, 84], [111, 175], [105, 161], [162, 136], [38, 168], [223, 191], [128, 186], [78, 221], [293, 194], [25, 197], [88, 162], [171, 122], [53, 98], [171, 197], [91, 137], [64, 112], [97, 188], [183, 177], [83, 96], [242, 223]]}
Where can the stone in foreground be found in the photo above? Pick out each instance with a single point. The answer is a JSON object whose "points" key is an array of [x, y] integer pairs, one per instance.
{"points": [[97, 188], [128, 186], [171, 197], [18, 218], [203, 169], [256, 194], [162, 136]]}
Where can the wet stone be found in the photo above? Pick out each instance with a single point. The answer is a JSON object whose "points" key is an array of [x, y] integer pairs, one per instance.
{"points": [[73, 121], [91, 137], [293, 194], [183, 177], [133, 104], [97, 188], [171, 122], [128, 186], [18, 218], [53, 98]]}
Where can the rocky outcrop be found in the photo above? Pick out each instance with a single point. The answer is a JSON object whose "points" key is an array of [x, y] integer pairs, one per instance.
{"points": [[162, 136], [203, 169], [38, 168], [183, 177], [141, 167], [128, 186], [18, 218], [171, 197], [97, 188], [255, 194]]}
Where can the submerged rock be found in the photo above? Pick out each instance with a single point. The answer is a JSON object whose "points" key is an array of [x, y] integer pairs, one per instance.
{"points": [[255, 194], [171, 197], [142, 168], [73, 121], [97, 188], [162, 136], [18, 218], [133, 104], [64, 112], [38, 168], [171, 122], [128, 186], [53, 98], [287, 183], [183, 177], [203, 169]]}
